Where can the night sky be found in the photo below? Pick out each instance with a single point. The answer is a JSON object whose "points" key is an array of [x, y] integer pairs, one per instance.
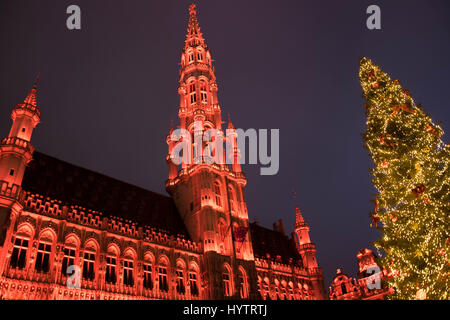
{"points": [[107, 93]]}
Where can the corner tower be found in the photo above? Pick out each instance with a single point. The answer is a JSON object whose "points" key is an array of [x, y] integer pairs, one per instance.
{"points": [[307, 251], [15, 153], [210, 195]]}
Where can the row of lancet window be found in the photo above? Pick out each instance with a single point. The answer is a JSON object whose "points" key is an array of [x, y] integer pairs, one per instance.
{"points": [[43, 264], [281, 291]]}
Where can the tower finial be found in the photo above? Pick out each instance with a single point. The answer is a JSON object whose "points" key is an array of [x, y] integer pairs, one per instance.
{"points": [[31, 97], [230, 124], [192, 11], [298, 215], [37, 80]]}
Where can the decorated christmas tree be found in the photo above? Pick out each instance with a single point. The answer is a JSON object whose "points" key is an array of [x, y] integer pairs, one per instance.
{"points": [[411, 176]]}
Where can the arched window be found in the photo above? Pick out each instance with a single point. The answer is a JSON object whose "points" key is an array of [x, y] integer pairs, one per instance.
{"points": [[69, 251], [305, 291], [266, 289], [226, 277], [291, 290], [89, 261], [199, 56], [148, 270], [283, 289], [222, 235], [277, 289], [232, 199], [111, 265], [128, 279], [180, 278], [203, 92], [44, 251], [243, 284], [218, 194], [192, 93], [19, 254], [193, 284], [162, 275]]}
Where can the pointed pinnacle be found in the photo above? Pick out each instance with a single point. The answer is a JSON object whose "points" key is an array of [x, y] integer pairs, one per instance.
{"points": [[37, 80]]}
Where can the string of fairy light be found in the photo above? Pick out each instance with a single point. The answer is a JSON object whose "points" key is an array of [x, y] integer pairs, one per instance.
{"points": [[411, 175]]}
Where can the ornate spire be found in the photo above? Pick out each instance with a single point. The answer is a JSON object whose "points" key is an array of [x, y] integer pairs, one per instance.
{"points": [[194, 36], [31, 97], [230, 124], [298, 216]]}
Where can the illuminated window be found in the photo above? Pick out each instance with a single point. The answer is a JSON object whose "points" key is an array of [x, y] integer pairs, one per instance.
{"points": [[291, 290], [180, 282], [227, 283], [68, 260], [128, 279], [19, 254], [231, 195], [193, 284], [243, 287], [192, 93], [111, 276], [148, 282], [88, 265], [218, 195], [162, 278], [203, 93], [43, 257], [266, 288], [283, 290]]}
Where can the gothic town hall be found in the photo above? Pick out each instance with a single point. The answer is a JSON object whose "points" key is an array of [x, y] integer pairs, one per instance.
{"points": [[58, 220]]}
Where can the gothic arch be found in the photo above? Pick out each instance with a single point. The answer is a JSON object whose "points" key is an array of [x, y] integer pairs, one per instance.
{"points": [[180, 263], [244, 289], [130, 253], [72, 239], [47, 234], [149, 256], [25, 229], [91, 244], [113, 249], [164, 260]]}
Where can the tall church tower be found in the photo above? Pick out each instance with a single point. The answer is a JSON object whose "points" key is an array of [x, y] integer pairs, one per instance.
{"points": [[15, 153], [210, 195]]}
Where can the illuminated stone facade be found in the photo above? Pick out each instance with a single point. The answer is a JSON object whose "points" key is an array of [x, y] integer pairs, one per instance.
{"points": [[367, 286], [131, 243]]}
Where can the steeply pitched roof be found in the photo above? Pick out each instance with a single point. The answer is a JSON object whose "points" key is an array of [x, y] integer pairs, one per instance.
{"points": [[74, 185], [274, 243]]}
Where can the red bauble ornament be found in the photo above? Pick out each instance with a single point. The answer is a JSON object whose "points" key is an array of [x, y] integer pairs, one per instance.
{"points": [[418, 190]]}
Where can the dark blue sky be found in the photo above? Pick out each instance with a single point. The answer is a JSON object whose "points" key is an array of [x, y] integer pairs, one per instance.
{"points": [[107, 93]]}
